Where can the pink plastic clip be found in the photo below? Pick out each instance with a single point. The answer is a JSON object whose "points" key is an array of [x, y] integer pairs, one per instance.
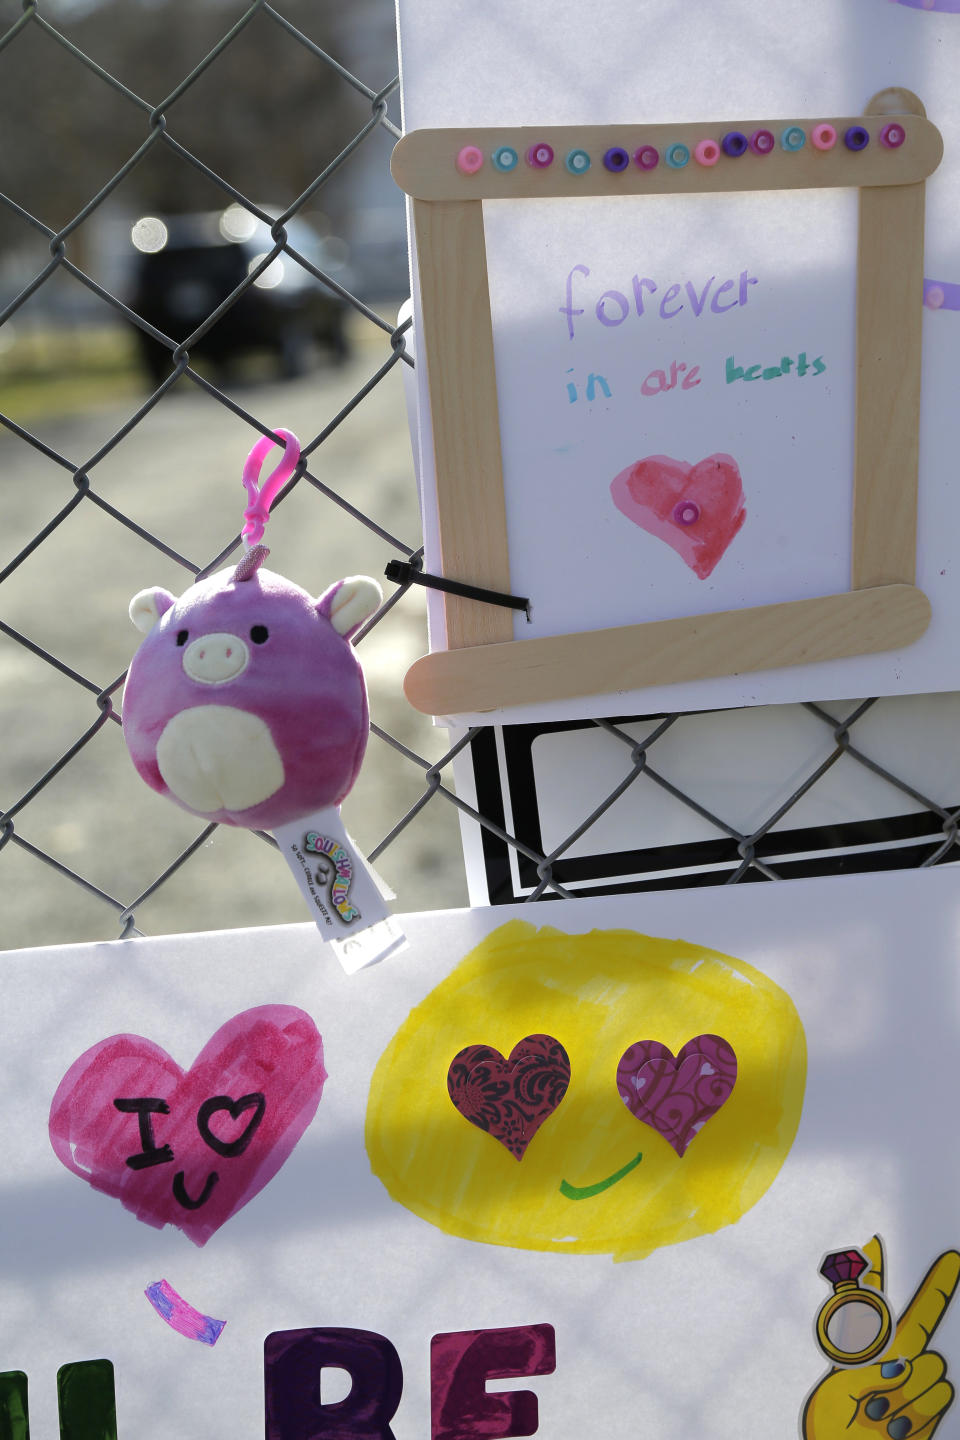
{"points": [[261, 497]]}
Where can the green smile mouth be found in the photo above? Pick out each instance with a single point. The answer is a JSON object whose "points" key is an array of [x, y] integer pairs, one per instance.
{"points": [[584, 1192]]}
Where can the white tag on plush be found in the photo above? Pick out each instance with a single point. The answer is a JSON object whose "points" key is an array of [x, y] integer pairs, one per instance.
{"points": [[342, 892]]}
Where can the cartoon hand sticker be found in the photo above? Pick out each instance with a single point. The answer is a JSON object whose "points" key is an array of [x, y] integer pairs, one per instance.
{"points": [[905, 1392]]}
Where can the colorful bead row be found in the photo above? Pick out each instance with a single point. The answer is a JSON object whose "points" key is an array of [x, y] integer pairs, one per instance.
{"points": [[706, 152]]}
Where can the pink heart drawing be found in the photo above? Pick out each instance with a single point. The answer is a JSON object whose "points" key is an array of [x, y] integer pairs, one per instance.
{"points": [[190, 1147], [696, 509], [510, 1098], [677, 1096]]}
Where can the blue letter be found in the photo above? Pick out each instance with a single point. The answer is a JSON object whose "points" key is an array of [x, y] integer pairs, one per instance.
{"points": [[592, 382]]}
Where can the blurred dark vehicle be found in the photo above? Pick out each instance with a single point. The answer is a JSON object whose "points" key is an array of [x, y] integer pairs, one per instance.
{"points": [[186, 265]]}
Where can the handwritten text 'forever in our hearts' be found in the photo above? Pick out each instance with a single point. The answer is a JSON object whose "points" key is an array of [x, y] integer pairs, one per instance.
{"points": [[651, 300]]}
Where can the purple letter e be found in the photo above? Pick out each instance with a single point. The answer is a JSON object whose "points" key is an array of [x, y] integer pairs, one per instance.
{"points": [[462, 1361]]}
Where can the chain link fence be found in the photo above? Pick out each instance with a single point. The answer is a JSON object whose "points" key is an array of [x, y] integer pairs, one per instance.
{"points": [[127, 493]]}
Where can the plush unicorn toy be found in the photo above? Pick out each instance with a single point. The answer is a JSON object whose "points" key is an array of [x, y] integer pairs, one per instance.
{"points": [[245, 705]]}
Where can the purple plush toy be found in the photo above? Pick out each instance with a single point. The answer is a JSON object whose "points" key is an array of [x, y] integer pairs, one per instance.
{"points": [[245, 703]]}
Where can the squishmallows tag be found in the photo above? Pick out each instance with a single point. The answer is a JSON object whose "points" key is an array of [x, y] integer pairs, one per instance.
{"points": [[245, 704]]}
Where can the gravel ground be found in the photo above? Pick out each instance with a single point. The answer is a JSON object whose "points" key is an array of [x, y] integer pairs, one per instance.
{"points": [[178, 475]]}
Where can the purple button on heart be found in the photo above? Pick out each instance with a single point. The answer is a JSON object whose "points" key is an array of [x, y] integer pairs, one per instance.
{"points": [[677, 1095]]}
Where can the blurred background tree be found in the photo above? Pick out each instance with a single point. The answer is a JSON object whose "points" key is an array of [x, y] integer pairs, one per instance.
{"points": [[266, 115]]}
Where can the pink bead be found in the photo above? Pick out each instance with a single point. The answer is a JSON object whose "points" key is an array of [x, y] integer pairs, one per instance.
{"points": [[706, 152], [540, 155], [892, 136], [824, 136], [470, 160], [762, 142]]}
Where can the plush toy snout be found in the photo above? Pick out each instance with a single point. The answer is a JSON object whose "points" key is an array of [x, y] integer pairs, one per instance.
{"points": [[215, 659]]}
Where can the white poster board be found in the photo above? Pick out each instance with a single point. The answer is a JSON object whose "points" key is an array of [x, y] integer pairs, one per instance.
{"points": [[686, 1298], [546, 65], [622, 325]]}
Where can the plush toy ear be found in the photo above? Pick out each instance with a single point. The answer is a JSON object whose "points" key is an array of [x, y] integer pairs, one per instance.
{"points": [[348, 603], [147, 606]]}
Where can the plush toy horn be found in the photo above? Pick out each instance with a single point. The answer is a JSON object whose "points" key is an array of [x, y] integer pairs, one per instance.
{"points": [[251, 562]]}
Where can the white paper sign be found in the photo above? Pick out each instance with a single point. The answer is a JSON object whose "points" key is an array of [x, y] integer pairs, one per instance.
{"points": [[626, 328], [641, 1268], [583, 562]]}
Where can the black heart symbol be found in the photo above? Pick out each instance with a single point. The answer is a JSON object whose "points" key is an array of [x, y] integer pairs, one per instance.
{"points": [[256, 1102]]}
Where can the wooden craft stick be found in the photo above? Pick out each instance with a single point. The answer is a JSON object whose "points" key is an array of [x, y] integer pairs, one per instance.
{"points": [[484, 668], [664, 652], [889, 322], [458, 344], [424, 162]]}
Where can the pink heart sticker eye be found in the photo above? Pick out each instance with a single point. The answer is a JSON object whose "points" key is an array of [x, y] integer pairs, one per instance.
{"points": [[510, 1098], [677, 1096]]}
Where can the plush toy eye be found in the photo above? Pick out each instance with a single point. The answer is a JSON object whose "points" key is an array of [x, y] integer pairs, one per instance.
{"points": [[182, 637], [259, 634]]}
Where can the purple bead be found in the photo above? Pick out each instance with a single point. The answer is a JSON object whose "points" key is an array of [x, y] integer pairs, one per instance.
{"points": [[734, 143], [616, 159], [856, 138]]}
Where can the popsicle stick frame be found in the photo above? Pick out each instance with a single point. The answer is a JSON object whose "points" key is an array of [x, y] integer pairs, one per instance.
{"points": [[485, 667]]}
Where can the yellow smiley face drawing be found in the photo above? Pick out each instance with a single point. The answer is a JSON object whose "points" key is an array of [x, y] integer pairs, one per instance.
{"points": [[589, 1094]]}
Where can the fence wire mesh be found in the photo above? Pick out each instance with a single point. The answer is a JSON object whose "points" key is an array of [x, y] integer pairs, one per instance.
{"points": [[100, 499]]}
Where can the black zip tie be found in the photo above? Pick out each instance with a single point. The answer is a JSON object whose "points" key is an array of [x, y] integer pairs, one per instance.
{"points": [[404, 573]]}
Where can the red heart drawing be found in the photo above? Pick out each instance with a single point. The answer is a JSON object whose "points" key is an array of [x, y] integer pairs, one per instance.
{"points": [[677, 1096], [190, 1147], [510, 1098], [696, 509]]}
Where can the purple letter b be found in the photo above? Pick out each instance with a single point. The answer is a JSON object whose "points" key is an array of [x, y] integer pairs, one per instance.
{"points": [[292, 1361]]}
